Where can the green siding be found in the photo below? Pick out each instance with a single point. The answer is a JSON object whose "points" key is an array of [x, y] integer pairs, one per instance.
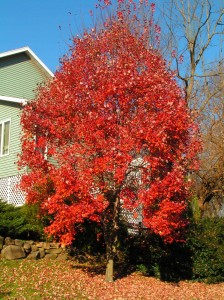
{"points": [[8, 163], [19, 76]]}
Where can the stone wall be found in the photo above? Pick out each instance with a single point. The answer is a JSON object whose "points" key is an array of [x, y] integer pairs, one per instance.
{"points": [[16, 249]]}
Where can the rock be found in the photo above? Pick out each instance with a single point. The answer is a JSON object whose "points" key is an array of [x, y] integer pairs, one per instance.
{"points": [[13, 252], [65, 248], [62, 256], [53, 251], [34, 255], [30, 242], [42, 253], [19, 243], [54, 245], [9, 241], [16, 249], [1, 242], [34, 248], [50, 256], [27, 247], [46, 245], [40, 245]]}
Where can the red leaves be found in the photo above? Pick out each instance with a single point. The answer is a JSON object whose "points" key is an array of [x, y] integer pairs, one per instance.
{"points": [[66, 280], [112, 102]]}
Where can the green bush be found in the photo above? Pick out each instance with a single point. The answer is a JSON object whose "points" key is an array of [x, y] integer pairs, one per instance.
{"points": [[145, 250], [10, 219], [89, 238], [33, 227], [153, 257], [201, 258], [176, 263], [206, 243], [20, 222]]}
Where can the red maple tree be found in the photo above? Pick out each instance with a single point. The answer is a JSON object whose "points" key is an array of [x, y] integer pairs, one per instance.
{"points": [[112, 125]]}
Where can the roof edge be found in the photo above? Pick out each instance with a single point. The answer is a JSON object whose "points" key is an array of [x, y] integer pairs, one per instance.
{"points": [[31, 54], [13, 99]]}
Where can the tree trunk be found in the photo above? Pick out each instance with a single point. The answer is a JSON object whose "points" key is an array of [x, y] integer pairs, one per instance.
{"points": [[111, 238], [110, 270]]}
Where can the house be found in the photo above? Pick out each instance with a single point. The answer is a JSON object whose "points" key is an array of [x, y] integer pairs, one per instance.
{"points": [[20, 73]]}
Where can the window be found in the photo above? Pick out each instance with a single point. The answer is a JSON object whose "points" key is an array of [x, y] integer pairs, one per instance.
{"points": [[4, 137]]}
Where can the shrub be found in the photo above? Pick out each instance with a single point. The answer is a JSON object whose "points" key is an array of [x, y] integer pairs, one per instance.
{"points": [[20, 222], [89, 238], [169, 262], [11, 220], [33, 226], [206, 242], [176, 262], [201, 258]]}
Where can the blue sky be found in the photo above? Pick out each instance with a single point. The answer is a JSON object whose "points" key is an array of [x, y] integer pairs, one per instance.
{"points": [[47, 25], [43, 25]]}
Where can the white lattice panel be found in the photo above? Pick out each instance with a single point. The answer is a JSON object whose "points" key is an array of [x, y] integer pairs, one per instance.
{"points": [[10, 192], [133, 218]]}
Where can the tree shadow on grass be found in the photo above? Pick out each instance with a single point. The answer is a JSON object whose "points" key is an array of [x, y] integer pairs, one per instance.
{"points": [[120, 270], [167, 271], [4, 294], [176, 265], [91, 270]]}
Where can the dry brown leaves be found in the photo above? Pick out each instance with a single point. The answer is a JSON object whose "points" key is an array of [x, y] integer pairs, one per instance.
{"points": [[65, 280]]}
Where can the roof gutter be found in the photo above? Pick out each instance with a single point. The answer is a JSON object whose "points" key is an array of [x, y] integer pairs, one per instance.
{"points": [[14, 100]]}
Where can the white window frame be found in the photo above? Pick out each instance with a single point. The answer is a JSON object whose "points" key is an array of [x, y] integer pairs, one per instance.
{"points": [[2, 122]]}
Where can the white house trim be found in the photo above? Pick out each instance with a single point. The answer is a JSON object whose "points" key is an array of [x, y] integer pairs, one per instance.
{"points": [[32, 56], [13, 99]]}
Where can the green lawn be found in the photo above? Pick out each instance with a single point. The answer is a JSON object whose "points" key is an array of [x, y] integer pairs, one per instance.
{"points": [[50, 279], [42, 279]]}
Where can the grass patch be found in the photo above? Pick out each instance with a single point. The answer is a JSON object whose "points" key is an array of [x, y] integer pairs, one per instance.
{"points": [[42, 279], [50, 279]]}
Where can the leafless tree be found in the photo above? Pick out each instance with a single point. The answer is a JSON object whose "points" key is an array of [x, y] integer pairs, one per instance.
{"points": [[192, 41], [211, 175]]}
